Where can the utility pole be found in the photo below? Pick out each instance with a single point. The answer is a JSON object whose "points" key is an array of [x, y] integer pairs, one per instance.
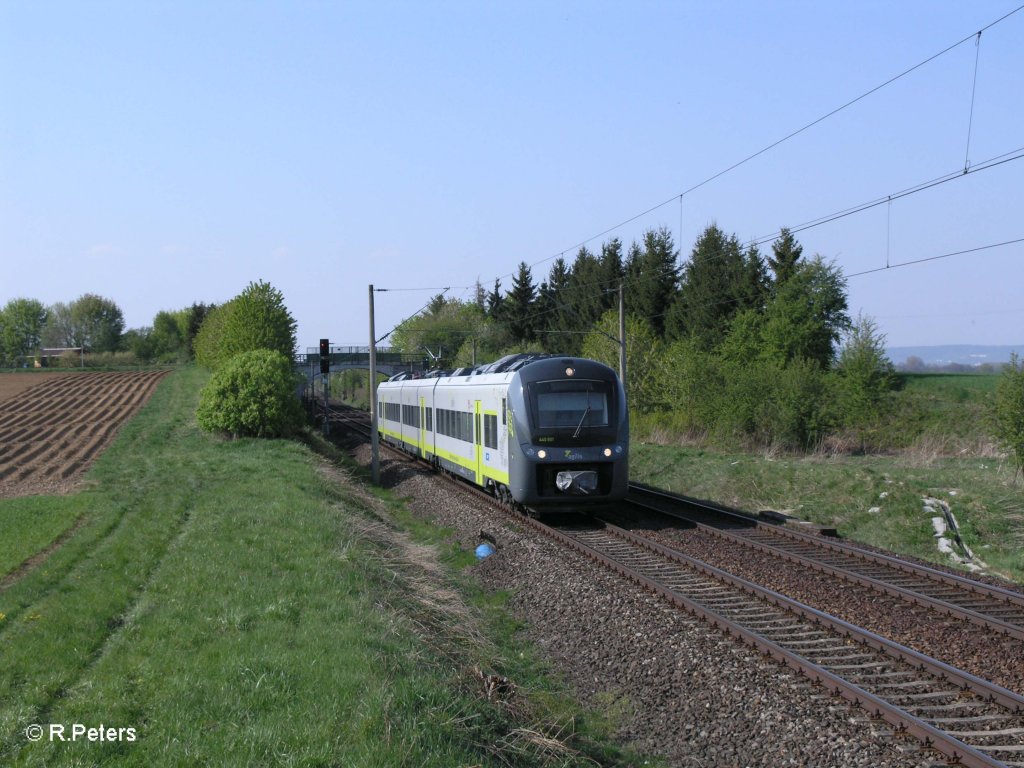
{"points": [[622, 334], [374, 439]]}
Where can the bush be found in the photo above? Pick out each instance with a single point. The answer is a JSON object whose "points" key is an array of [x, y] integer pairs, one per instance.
{"points": [[1008, 411], [253, 394]]}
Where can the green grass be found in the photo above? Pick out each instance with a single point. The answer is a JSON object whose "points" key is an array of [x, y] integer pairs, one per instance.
{"points": [[231, 604], [947, 406], [33, 522], [874, 499]]}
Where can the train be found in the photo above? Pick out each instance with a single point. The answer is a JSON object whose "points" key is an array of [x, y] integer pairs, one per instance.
{"points": [[538, 431]]}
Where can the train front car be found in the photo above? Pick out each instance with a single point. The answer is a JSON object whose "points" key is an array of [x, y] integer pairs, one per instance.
{"points": [[569, 435]]}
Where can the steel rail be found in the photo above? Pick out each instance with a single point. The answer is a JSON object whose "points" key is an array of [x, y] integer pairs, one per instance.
{"points": [[929, 735], [878, 585], [1007, 596]]}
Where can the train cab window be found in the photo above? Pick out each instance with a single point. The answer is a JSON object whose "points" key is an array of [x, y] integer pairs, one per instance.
{"points": [[574, 404]]}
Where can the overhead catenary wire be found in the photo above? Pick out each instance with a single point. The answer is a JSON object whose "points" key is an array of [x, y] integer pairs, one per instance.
{"points": [[793, 134], [966, 170]]}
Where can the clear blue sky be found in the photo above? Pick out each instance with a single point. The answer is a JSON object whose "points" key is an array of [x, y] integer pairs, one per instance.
{"points": [[160, 153]]}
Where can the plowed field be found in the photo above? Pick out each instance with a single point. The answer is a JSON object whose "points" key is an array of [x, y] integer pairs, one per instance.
{"points": [[51, 431]]}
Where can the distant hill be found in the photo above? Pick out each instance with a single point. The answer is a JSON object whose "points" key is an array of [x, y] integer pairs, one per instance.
{"points": [[955, 354]]}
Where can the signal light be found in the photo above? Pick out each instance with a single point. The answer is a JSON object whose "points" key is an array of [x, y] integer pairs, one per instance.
{"points": [[325, 356]]}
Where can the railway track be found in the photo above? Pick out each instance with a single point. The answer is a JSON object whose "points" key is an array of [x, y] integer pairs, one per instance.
{"points": [[969, 720], [996, 609], [966, 719]]}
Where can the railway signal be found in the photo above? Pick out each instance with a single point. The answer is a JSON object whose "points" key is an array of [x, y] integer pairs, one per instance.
{"points": [[325, 356]]}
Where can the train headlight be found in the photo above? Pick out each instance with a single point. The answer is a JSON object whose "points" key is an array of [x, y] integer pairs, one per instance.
{"points": [[542, 454], [569, 371], [607, 451]]}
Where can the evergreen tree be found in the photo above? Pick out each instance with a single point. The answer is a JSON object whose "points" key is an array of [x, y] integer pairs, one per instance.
{"points": [[718, 282], [520, 305], [586, 291], [496, 302], [654, 275], [612, 271], [553, 315], [786, 252], [756, 280], [480, 295]]}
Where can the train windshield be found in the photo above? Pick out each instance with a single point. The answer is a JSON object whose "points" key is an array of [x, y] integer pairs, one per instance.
{"points": [[573, 404]]}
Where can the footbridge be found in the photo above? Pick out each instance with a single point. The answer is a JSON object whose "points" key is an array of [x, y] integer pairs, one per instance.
{"points": [[389, 360]]}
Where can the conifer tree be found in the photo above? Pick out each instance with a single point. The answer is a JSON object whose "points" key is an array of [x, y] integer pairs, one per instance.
{"points": [[717, 282], [786, 252], [520, 305], [495, 302], [553, 315]]}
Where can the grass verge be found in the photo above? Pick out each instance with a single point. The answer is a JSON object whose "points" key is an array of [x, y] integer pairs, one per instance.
{"points": [[874, 499], [234, 607]]}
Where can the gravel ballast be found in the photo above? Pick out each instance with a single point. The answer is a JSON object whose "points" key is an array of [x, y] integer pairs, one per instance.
{"points": [[684, 691]]}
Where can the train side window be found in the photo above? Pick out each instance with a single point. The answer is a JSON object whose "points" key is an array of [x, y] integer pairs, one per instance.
{"points": [[504, 419]]}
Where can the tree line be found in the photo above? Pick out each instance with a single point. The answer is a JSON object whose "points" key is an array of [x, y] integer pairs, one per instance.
{"points": [[732, 341], [96, 325]]}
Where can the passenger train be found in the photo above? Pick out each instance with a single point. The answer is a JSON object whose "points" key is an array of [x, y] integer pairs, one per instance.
{"points": [[538, 431]]}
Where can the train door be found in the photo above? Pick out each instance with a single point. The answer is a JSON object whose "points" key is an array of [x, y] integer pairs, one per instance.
{"points": [[478, 438], [423, 427]]}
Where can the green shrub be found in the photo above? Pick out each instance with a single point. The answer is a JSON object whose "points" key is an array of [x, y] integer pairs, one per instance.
{"points": [[1008, 411], [253, 394]]}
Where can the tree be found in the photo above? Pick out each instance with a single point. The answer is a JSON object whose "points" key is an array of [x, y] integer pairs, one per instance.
{"points": [[207, 345], [786, 252], [807, 316], [553, 315], [480, 295], [166, 337], [719, 281], [139, 341], [586, 296], [642, 346], [253, 394], [196, 315], [1008, 411], [21, 328], [864, 375], [653, 278], [440, 330], [96, 323], [496, 302], [520, 306], [58, 331], [257, 318]]}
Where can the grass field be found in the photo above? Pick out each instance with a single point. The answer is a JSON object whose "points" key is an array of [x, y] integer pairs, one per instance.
{"points": [[874, 499], [233, 605]]}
